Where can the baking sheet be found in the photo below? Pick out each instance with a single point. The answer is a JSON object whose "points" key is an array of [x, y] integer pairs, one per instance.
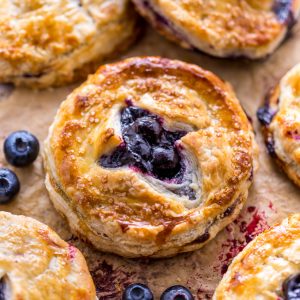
{"points": [[272, 196]]}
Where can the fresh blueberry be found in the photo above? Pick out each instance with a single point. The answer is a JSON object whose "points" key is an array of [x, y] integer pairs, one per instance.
{"points": [[291, 287], [177, 292], [149, 128], [137, 291], [21, 148], [9, 185], [164, 159]]}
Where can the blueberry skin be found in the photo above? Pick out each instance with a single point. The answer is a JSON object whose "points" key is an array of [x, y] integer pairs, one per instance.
{"points": [[177, 292], [137, 291], [149, 128], [291, 287], [9, 185], [21, 148], [165, 159]]}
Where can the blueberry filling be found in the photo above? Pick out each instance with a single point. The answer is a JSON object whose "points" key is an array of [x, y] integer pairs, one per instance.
{"points": [[291, 287], [271, 147], [149, 148], [283, 11], [2, 289], [163, 22], [265, 115]]}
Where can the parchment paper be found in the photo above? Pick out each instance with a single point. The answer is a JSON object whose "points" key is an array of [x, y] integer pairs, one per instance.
{"points": [[272, 196]]}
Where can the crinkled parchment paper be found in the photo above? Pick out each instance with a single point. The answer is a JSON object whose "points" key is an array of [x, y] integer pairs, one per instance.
{"points": [[272, 196]]}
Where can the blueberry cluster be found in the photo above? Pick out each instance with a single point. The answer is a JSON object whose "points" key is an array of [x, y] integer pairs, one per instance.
{"points": [[138, 291], [147, 146], [21, 148]]}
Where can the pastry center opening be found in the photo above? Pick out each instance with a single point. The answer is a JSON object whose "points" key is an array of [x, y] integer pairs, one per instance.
{"points": [[149, 148]]}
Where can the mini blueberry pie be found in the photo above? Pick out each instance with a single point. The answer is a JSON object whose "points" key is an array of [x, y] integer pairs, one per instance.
{"points": [[35, 263], [268, 268], [150, 157], [49, 43], [280, 119], [223, 28]]}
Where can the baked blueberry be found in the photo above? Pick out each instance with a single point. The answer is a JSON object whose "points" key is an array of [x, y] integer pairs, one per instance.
{"points": [[21, 148], [9, 185], [177, 292], [291, 287], [138, 147], [130, 114], [117, 159], [149, 128], [165, 159], [265, 115], [2, 289], [137, 291]]}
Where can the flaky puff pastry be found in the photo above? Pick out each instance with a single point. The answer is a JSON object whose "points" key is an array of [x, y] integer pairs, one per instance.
{"points": [[50, 43], [260, 270], [223, 28], [131, 213], [280, 118], [35, 263]]}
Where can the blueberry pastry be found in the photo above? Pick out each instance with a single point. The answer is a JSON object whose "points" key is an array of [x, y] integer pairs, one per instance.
{"points": [[280, 122], [268, 268], [150, 157], [47, 43], [35, 263], [223, 28]]}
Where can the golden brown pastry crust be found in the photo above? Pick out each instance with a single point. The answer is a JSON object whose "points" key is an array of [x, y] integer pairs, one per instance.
{"points": [[281, 126], [35, 263], [125, 212], [260, 269], [50, 43], [231, 28]]}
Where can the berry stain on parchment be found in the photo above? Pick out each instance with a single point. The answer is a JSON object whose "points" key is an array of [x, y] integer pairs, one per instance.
{"points": [[110, 281], [238, 234]]}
